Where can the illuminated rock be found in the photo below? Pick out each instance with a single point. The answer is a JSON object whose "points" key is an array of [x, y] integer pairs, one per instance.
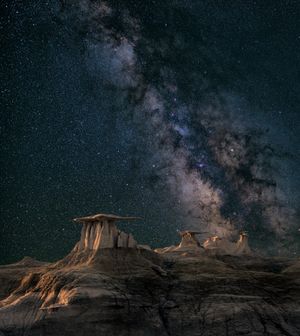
{"points": [[217, 245], [242, 246], [100, 231], [189, 243]]}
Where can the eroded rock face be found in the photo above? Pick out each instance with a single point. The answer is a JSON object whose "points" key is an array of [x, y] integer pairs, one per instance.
{"points": [[110, 291], [129, 291], [105, 297], [108, 285]]}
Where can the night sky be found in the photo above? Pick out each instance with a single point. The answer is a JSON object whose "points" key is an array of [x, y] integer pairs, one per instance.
{"points": [[185, 113]]}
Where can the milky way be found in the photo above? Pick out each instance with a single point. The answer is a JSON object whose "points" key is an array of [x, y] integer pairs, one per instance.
{"points": [[221, 167], [184, 113]]}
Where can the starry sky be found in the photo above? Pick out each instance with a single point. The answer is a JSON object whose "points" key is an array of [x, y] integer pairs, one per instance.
{"points": [[185, 113]]}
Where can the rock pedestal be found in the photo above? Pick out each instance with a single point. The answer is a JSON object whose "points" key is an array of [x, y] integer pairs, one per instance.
{"points": [[100, 231]]}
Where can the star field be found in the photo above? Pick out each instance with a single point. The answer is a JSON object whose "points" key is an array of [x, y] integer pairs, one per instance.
{"points": [[184, 113]]}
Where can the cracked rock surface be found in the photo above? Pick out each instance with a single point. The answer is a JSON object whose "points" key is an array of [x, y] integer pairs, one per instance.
{"points": [[137, 292]]}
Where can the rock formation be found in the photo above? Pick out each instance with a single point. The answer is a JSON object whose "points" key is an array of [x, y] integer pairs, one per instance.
{"points": [[189, 240], [242, 246], [214, 243], [217, 245], [212, 246], [189, 243], [99, 231], [108, 285]]}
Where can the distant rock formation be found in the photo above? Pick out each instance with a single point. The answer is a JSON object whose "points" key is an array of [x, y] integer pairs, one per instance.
{"points": [[189, 243], [217, 245], [212, 246], [242, 246]]}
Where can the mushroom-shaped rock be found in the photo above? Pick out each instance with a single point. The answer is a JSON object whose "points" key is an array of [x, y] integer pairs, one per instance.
{"points": [[99, 231], [106, 217]]}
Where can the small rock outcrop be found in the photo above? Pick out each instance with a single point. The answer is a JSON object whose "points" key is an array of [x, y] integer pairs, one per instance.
{"points": [[242, 246], [217, 245], [189, 243]]}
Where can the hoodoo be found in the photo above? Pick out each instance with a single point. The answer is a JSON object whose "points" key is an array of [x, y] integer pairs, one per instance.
{"points": [[189, 243], [189, 239], [99, 231], [217, 245], [242, 246]]}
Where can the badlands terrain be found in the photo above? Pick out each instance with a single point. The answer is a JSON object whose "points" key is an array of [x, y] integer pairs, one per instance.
{"points": [[110, 285]]}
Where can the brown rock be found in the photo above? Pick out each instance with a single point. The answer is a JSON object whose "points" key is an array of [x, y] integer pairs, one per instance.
{"points": [[127, 290]]}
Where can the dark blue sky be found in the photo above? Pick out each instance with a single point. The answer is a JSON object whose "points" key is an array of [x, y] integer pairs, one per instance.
{"points": [[186, 114]]}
